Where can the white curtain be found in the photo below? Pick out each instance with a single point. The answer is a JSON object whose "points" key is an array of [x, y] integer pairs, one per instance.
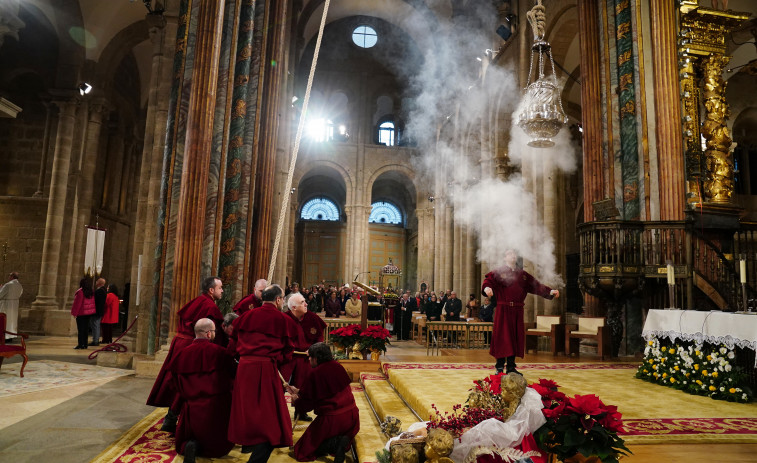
{"points": [[93, 258]]}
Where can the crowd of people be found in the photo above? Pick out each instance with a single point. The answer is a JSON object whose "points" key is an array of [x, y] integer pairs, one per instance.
{"points": [[225, 378], [96, 310]]}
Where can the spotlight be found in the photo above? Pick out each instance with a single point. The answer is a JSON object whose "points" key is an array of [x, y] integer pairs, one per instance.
{"points": [[294, 99], [293, 190], [84, 88], [431, 199], [478, 58]]}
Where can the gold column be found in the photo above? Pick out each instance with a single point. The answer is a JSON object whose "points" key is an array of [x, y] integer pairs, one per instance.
{"points": [[702, 52], [668, 128], [194, 175], [591, 104]]}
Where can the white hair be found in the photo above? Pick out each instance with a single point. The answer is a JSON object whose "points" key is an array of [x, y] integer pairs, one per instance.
{"points": [[291, 300]]}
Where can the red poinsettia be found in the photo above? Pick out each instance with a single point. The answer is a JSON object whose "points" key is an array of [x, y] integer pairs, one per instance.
{"points": [[581, 424]]}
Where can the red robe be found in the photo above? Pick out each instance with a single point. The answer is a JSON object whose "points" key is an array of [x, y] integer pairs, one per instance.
{"points": [[202, 375], [313, 327], [259, 411], [203, 306], [511, 286], [249, 302], [327, 391], [296, 369]]}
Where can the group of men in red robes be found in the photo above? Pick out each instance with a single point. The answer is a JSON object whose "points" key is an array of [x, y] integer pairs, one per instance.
{"points": [[216, 410]]}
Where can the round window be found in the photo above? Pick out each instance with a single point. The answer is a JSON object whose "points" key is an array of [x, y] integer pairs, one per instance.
{"points": [[364, 36]]}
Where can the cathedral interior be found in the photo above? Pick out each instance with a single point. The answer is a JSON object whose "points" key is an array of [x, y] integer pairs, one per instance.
{"points": [[608, 142], [173, 124]]}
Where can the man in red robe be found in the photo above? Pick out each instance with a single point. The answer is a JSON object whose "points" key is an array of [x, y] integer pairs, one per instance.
{"points": [[251, 301], [163, 393], [297, 370], [510, 285], [327, 391], [202, 374], [313, 327], [259, 415]]}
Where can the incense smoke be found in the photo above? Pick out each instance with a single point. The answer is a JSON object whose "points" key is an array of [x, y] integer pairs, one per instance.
{"points": [[454, 94]]}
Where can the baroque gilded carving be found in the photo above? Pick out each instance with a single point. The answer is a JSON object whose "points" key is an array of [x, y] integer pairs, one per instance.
{"points": [[709, 171]]}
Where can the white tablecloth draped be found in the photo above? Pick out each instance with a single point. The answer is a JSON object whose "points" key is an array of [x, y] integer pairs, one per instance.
{"points": [[728, 328]]}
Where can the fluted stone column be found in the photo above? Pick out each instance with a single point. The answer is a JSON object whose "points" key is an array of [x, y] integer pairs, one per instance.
{"points": [[591, 118], [46, 296], [667, 106], [194, 174]]}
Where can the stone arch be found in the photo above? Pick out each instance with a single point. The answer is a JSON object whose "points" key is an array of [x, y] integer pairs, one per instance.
{"points": [[396, 171], [323, 167], [113, 53]]}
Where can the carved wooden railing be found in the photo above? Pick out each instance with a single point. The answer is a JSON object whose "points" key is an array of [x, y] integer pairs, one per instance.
{"points": [[623, 251]]}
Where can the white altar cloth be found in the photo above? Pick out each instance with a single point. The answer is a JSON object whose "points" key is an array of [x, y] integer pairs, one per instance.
{"points": [[716, 327]]}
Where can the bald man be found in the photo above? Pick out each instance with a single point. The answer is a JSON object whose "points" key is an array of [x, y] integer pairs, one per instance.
{"points": [[202, 375], [253, 300]]}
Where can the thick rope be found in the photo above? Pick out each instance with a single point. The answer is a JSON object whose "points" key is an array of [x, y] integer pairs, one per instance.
{"points": [[537, 17], [296, 149]]}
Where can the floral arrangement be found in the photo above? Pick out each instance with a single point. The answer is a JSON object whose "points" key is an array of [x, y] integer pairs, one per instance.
{"points": [[495, 396], [345, 336], [578, 425], [695, 368], [373, 338]]}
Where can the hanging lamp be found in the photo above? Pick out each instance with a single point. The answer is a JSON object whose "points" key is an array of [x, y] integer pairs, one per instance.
{"points": [[543, 115]]}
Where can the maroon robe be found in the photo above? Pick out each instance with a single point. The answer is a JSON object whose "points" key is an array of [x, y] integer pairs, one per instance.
{"points": [[202, 375], [313, 327], [247, 303], [203, 306], [259, 411], [297, 368], [327, 391], [511, 286]]}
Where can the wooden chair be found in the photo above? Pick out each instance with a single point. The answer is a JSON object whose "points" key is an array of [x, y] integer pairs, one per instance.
{"points": [[546, 325], [9, 350], [588, 328]]}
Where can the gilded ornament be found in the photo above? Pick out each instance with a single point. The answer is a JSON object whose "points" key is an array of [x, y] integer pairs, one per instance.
{"points": [[227, 246], [240, 108], [236, 165], [391, 426], [404, 453], [439, 444]]}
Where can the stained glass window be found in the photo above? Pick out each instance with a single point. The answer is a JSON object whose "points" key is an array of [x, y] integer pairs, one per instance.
{"points": [[320, 209], [382, 212]]}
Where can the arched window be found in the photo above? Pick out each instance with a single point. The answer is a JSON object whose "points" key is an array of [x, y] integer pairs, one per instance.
{"points": [[320, 209], [382, 212], [386, 133]]}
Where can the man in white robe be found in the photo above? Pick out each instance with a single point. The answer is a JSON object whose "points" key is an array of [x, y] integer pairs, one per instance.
{"points": [[10, 293]]}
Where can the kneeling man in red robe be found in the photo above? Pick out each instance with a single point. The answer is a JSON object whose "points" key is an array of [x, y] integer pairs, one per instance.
{"points": [[327, 391], [202, 375]]}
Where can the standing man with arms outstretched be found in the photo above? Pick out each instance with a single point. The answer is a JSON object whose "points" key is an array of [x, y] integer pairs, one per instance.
{"points": [[510, 284], [163, 393], [259, 415]]}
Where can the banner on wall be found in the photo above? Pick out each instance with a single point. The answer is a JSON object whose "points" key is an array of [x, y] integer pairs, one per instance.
{"points": [[93, 257]]}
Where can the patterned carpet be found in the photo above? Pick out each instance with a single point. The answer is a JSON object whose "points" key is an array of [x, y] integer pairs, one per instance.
{"points": [[651, 413], [47, 374], [145, 442]]}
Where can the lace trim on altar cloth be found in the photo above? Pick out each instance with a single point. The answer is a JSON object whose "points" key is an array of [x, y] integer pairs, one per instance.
{"points": [[728, 341]]}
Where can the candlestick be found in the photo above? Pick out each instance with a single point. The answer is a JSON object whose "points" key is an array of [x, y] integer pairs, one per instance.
{"points": [[671, 275], [742, 270]]}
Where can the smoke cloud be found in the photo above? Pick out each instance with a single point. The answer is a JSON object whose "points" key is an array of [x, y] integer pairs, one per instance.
{"points": [[453, 94]]}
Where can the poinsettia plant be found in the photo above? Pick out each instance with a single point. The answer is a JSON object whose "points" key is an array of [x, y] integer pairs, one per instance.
{"points": [[345, 336], [582, 424], [375, 338]]}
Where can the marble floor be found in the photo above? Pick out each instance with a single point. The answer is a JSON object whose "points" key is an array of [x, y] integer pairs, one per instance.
{"points": [[74, 423]]}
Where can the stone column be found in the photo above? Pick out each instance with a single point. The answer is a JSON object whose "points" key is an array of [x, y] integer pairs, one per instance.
{"points": [[198, 142], [591, 104], [591, 118], [46, 296], [45, 149], [426, 246], [667, 106], [148, 187]]}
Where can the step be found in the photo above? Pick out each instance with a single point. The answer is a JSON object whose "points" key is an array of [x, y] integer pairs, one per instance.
{"points": [[370, 439], [386, 401]]}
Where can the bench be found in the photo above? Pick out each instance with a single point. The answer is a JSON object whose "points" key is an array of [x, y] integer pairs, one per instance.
{"points": [[546, 325], [588, 328], [10, 350]]}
